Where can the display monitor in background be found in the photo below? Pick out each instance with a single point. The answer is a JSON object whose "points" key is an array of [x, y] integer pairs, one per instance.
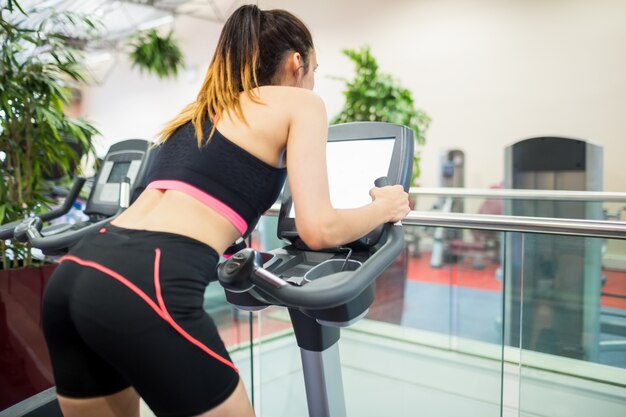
{"points": [[115, 169], [118, 172]]}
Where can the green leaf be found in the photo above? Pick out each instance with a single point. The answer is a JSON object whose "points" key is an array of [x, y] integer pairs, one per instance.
{"points": [[155, 54], [12, 3], [34, 131], [376, 96]]}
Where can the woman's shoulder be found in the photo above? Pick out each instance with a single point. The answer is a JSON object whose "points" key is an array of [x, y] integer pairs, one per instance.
{"points": [[277, 108], [289, 96]]}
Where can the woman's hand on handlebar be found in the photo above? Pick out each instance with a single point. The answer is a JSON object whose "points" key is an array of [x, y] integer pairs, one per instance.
{"points": [[394, 200]]}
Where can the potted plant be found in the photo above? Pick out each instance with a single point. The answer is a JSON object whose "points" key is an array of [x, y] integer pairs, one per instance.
{"points": [[376, 96], [39, 71], [156, 54], [39, 143]]}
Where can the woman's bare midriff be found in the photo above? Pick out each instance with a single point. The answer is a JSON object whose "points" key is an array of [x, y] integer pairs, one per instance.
{"points": [[176, 212]]}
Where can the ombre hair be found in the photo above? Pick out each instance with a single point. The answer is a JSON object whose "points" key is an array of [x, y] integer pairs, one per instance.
{"points": [[249, 53]]}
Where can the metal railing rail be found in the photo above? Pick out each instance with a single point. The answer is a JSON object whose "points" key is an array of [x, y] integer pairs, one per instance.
{"points": [[544, 225], [520, 194]]}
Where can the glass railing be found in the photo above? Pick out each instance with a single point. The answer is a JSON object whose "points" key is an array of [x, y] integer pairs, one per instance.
{"points": [[480, 316], [566, 311]]}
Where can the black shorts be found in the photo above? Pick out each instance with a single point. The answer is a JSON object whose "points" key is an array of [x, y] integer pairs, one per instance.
{"points": [[125, 307]]}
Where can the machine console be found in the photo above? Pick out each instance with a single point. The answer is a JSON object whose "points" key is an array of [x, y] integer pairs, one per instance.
{"points": [[126, 159]]}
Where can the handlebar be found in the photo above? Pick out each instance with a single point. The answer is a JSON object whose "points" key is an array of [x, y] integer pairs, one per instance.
{"points": [[7, 231], [382, 182], [325, 292], [30, 230], [244, 270], [60, 241], [67, 203]]}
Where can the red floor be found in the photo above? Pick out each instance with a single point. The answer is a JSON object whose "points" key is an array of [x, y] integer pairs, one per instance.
{"points": [[615, 285], [459, 274], [463, 275]]}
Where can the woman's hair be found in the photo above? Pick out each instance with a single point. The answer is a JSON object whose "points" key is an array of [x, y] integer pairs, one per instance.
{"points": [[249, 54]]}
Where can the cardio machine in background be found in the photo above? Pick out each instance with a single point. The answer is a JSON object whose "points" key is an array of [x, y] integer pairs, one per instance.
{"points": [[333, 288], [120, 177]]}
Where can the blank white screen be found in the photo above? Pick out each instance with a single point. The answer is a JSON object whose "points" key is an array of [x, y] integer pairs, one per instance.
{"points": [[353, 166]]}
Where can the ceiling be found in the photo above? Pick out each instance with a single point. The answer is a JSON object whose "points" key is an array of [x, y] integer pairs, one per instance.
{"points": [[118, 19], [114, 22]]}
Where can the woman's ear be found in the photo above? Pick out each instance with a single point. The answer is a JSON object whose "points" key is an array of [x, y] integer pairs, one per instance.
{"points": [[295, 61], [293, 67]]}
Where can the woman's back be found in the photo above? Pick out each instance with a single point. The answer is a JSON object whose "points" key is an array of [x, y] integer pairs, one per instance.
{"points": [[263, 136]]}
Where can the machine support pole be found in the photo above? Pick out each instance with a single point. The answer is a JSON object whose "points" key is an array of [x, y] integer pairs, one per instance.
{"points": [[319, 350]]}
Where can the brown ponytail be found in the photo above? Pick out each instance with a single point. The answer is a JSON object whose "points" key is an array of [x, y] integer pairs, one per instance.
{"points": [[249, 52]]}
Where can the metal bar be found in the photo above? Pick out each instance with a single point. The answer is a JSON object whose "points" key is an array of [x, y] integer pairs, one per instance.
{"points": [[613, 295], [545, 225], [578, 227], [554, 195], [323, 382]]}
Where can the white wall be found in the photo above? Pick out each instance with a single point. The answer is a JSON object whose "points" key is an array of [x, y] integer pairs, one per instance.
{"points": [[489, 72], [129, 104]]}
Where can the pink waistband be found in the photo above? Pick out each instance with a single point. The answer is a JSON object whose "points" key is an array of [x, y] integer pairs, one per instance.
{"points": [[212, 202]]}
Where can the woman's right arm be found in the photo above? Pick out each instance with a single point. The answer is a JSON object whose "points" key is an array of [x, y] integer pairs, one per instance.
{"points": [[320, 225]]}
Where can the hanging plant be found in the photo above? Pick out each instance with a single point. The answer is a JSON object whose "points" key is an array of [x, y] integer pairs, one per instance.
{"points": [[155, 54], [375, 96]]}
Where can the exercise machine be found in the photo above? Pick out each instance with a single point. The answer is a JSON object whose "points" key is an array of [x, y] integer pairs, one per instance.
{"points": [[7, 229], [333, 288], [554, 280], [120, 176]]}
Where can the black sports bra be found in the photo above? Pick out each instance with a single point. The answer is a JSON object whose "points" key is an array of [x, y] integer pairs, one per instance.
{"points": [[220, 174]]}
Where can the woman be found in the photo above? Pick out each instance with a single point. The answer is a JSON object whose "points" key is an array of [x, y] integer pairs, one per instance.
{"points": [[123, 313]]}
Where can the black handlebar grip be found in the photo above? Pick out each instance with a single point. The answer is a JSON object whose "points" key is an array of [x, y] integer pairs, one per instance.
{"points": [[234, 274], [68, 203], [382, 182]]}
